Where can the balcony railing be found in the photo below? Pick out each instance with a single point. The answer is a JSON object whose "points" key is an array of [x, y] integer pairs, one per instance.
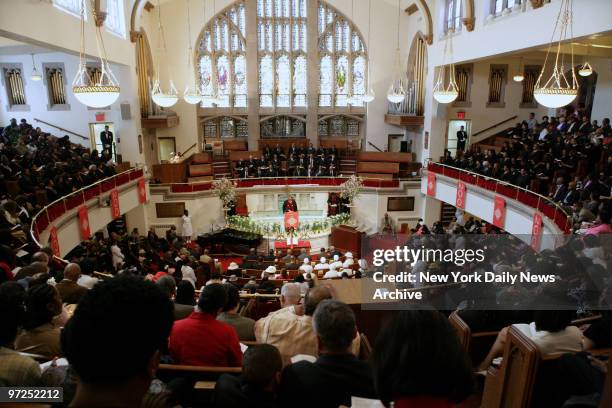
{"points": [[61, 206], [545, 205]]}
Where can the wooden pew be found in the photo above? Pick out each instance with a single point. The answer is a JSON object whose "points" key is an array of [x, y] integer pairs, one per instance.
{"points": [[202, 158], [378, 167], [476, 344], [341, 144], [391, 157], [376, 176], [235, 145], [234, 156], [198, 170]]}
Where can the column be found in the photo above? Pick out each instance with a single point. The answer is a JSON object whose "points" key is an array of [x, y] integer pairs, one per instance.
{"points": [[312, 123], [252, 73]]}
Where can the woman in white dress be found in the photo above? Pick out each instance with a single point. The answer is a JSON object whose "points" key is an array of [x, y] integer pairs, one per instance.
{"points": [[187, 229]]}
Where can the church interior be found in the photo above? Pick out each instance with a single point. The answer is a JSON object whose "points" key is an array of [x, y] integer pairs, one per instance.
{"points": [[379, 203]]}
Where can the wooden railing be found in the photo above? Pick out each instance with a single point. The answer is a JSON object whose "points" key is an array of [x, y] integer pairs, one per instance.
{"points": [[494, 126], [189, 149], [376, 147], [61, 128]]}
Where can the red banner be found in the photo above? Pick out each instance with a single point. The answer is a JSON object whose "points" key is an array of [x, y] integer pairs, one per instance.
{"points": [[461, 192], [431, 184], [84, 223], [292, 220], [536, 231], [142, 191], [499, 212], [54, 241], [114, 202]]}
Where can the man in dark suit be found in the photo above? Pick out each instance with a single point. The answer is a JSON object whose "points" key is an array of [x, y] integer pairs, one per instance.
{"points": [[261, 368], [337, 374], [461, 139], [106, 137], [560, 190], [68, 289], [289, 205]]}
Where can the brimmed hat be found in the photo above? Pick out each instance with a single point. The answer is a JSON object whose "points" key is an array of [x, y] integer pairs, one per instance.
{"points": [[323, 259], [232, 266], [270, 269], [306, 261], [336, 257], [349, 255]]}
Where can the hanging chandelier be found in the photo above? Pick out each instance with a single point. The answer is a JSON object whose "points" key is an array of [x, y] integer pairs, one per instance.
{"points": [[558, 91], [396, 92], [191, 94], [370, 95], [35, 75], [519, 76], [105, 90], [164, 99], [446, 93], [586, 68]]}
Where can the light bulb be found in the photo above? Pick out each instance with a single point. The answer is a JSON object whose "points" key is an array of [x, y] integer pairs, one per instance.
{"points": [[445, 96], [555, 97], [585, 71], [370, 96], [518, 78]]}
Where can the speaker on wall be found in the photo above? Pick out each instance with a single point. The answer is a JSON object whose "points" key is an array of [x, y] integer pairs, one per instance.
{"points": [[126, 111], [404, 146]]}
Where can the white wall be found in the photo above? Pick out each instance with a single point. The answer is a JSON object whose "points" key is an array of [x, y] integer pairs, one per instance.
{"points": [[78, 118], [602, 103]]}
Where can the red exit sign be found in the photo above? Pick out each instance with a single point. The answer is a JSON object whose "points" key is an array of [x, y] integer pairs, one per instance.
{"points": [[461, 115]]}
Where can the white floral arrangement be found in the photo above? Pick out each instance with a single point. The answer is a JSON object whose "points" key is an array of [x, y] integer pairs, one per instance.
{"points": [[225, 190], [304, 231], [351, 188]]}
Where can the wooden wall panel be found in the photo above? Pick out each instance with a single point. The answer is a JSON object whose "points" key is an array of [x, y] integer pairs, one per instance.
{"points": [[169, 210]]}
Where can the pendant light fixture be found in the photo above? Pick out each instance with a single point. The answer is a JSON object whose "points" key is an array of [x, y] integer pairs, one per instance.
{"points": [[396, 92], [446, 93], [106, 90], [586, 68], [35, 75], [164, 99], [519, 76], [191, 94], [557, 91], [370, 95]]}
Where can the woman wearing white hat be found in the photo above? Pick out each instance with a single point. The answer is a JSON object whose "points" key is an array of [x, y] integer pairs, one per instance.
{"points": [[322, 264], [270, 271], [332, 273], [305, 267], [349, 260], [234, 269], [337, 264]]}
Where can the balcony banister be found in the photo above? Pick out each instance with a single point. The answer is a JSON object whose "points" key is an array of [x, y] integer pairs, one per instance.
{"points": [[115, 180], [542, 201]]}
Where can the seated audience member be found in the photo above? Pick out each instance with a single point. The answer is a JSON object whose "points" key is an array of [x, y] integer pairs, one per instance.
{"points": [[336, 264], [113, 341], [290, 329], [15, 369], [86, 280], [185, 294], [418, 362], [292, 264], [331, 273], [603, 223], [348, 261], [234, 269], [243, 325], [256, 387], [41, 335], [69, 290], [203, 340], [167, 285], [305, 267], [303, 254], [551, 332], [322, 265], [337, 374]]}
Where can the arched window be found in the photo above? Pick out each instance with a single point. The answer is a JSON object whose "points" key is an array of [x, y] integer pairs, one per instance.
{"points": [[453, 15], [342, 59], [281, 39], [70, 6], [115, 20], [222, 53]]}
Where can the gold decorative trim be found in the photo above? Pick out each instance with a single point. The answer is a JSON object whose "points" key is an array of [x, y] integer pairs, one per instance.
{"points": [[428, 21], [90, 89], [468, 15], [537, 3]]}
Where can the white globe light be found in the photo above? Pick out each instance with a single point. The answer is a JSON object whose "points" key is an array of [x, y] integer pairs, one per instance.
{"points": [[164, 100], [36, 75], [369, 97], [445, 96], [395, 97], [518, 78], [585, 72], [555, 97], [96, 96], [192, 97]]}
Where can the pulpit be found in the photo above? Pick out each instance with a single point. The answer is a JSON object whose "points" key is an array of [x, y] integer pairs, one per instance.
{"points": [[346, 239]]}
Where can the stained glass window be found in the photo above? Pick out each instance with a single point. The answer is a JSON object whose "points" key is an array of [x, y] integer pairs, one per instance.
{"points": [[453, 15], [342, 59], [221, 55], [70, 6], [281, 39], [339, 126], [226, 127]]}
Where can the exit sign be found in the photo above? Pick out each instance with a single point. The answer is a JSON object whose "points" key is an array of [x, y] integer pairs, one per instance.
{"points": [[461, 115], [100, 117]]}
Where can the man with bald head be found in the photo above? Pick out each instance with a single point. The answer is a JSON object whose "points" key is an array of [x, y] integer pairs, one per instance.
{"points": [[69, 290], [290, 329]]}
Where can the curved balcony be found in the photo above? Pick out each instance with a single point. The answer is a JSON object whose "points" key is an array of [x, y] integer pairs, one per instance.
{"points": [[522, 203], [63, 213]]}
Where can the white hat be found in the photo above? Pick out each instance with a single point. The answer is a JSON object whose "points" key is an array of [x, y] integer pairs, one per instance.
{"points": [[349, 255], [306, 261], [323, 260], [233, 278], [232, 266], [270, 269], [336, 257]]}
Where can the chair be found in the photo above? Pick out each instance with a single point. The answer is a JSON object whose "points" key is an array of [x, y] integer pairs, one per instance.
{"points": [[475, 344]]}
